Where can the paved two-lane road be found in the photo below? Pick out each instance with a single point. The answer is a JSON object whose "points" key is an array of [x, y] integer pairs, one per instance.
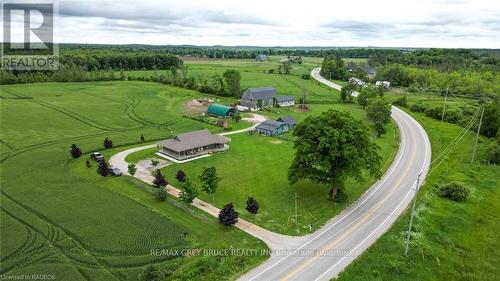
{"points": [[324, 254]]}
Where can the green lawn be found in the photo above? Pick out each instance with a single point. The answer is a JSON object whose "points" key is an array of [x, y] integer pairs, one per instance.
{"points": [[59, 217], [256, 159], [257, 166], [453, 241]]}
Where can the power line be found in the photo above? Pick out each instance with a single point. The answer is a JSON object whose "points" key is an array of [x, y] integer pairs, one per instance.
{"points": [[453, 143], [477, 136], [444, 105]]}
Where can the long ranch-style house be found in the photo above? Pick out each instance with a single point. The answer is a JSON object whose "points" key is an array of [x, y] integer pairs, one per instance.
{"points": [[193, 144]]}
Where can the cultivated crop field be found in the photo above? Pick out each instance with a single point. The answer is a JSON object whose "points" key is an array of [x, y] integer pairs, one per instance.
{"points": [[59, 217]]}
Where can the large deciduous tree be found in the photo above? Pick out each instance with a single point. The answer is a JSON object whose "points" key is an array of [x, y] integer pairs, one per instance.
{"points": [[334, 68], [331, 147], [379, 112], [233, 78], [287, 67], [346, 93]]}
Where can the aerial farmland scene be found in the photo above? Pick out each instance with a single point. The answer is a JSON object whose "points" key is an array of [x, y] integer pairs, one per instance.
{"points": [[264, 140]]}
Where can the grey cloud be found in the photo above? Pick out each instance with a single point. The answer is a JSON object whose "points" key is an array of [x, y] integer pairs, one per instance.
{"points": [[156, 13]]}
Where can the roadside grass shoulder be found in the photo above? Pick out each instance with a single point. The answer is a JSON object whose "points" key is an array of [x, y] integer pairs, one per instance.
{"points": [[451, 241]]}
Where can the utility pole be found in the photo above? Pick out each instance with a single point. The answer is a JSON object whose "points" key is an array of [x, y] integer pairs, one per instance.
{"points": [[296, 216], [411, 216], [303, 96], [444, 106], [477, 136]]}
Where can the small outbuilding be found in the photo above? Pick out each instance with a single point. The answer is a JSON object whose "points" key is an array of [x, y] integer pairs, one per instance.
{"points": [[289, 121], [284, 101], [385, 84], [219, 110], [356, 81], [271, 128]]}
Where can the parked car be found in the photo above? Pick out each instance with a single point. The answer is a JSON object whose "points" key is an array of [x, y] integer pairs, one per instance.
{"points": [[97, 156], [115, 171]]}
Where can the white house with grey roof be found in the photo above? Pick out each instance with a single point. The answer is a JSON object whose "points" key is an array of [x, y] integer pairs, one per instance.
{"points": [[193, 144], [284, 101]]}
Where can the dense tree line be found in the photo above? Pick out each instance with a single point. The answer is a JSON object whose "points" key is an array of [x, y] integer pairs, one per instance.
{"points": [[462, 115], [447, 60], [240, 52], [92, 67], [463, 82], [126, 61]]}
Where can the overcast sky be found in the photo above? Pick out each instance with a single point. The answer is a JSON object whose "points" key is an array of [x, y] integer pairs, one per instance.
{"points": [[384, 23]]}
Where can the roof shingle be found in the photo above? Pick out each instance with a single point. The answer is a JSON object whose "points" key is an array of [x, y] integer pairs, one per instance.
{"points": [[259, 93], [191, 140]]}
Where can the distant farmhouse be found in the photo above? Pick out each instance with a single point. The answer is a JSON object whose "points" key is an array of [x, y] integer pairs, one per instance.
{"points": [[261, 57], [219, 110], [193, 144], [274, 128], [259, 98]]}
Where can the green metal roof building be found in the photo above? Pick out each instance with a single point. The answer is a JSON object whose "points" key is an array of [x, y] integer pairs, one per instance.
{"points": [[220, 110]]}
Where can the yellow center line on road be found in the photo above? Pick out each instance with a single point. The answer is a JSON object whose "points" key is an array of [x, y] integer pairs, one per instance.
{"points": [[368, 215]]}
